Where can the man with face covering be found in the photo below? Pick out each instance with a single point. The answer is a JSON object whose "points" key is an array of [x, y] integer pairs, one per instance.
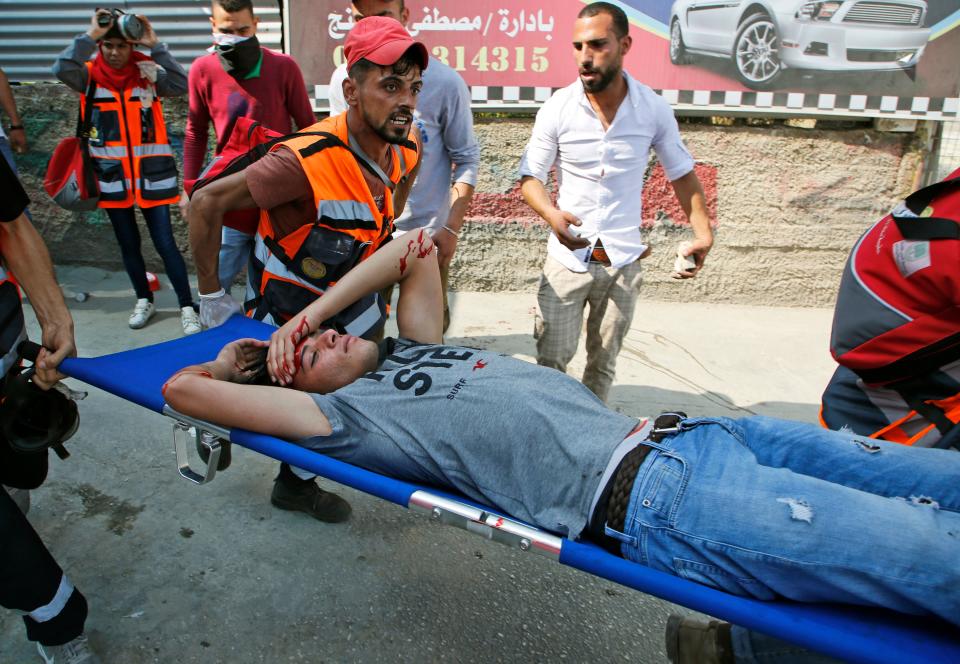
{"points": [[327, 202], [239, 78]]}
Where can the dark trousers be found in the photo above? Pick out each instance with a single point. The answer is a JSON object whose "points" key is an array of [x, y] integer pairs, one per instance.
{"points": [[29, 576], [124, 224]]}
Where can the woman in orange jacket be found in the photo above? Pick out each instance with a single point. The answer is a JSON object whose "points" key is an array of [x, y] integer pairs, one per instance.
{"points": [[132, 158]]}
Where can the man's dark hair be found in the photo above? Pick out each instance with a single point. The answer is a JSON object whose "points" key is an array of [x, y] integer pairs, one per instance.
{"points": [[358, 72], [232, 6], [621, 27]]}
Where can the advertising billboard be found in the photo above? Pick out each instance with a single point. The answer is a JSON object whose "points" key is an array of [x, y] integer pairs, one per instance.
{"points": [[872, 58]]}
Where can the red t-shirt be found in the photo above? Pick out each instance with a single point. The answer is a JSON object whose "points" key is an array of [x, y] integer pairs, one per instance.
{"points": [[272, 98]]}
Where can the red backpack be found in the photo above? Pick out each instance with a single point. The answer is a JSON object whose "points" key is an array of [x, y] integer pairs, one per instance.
{"points": [[896, 323], [898, 309], [249, 141]]}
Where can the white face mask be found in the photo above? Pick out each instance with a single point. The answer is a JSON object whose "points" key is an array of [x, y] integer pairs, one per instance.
{"points": [[223, 39]]}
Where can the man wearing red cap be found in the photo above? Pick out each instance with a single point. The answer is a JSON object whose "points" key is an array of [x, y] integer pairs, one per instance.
{"points": [[328, 198]]}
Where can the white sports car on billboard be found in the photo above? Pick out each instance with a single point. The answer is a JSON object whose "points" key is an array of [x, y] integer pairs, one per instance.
{"points": [[764, 37]]}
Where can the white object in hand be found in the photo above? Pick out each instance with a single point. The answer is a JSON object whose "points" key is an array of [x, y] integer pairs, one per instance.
{"points": [[684, 263]]}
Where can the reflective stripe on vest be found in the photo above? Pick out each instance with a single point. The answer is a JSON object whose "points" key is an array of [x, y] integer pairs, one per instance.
{"points": [[345, 215], [131, 154], [152, 149], [114, 187], [275, 266], [114, 152], [884, 413], [365, 319]]}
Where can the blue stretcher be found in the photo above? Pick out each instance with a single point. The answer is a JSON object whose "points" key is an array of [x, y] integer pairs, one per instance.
{"points": [[850, 633]]}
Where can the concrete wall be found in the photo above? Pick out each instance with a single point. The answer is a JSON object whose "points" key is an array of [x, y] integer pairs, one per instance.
{"points": [[788, 203]]}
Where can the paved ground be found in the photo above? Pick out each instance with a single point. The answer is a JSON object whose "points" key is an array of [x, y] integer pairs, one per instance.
{"points": [[176, 572]]}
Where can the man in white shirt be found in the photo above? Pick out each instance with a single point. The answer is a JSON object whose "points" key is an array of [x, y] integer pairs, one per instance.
{"points": [[599, 131]]}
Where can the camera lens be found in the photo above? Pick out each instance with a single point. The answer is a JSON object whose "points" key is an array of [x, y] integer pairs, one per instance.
{"points": [[131, 27], [103, 20]]}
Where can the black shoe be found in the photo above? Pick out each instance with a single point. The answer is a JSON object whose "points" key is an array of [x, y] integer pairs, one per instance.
{"points": [[692, 640], [225, 456], [306, 496]]}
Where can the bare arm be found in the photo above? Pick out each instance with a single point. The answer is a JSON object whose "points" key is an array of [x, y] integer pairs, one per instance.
{"points": [[27, 257], [694, 203], [535, 194], [409, 260], [460, 195], [215, 391], [205, 220], [18, 138]]}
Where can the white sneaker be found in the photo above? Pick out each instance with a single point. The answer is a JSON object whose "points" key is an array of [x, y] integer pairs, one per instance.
{"points": [[142, 312], [77, 651], [189, 320]]}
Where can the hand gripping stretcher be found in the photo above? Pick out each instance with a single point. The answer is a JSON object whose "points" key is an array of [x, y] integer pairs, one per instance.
{"points": [[851, 633]]}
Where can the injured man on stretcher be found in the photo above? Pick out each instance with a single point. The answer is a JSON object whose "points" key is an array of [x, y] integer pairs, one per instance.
{"points": [[758, 507]]}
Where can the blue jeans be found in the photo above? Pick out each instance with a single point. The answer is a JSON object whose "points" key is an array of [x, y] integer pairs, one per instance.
{"points": [[769, 508], [235, 250], [125, 228]]}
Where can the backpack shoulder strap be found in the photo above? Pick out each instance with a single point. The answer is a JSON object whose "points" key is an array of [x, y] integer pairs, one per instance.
{"points": [[254, 154], [928, 228], [331, 140]]}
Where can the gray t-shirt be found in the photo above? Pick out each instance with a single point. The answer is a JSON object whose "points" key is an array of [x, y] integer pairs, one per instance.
{"points": [[527, 440]]}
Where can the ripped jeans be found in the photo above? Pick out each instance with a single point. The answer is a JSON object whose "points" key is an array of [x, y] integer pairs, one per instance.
{"points": [[769, 508]]}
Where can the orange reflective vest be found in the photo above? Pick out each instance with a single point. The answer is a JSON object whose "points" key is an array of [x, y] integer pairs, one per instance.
{"points": [[131, 155], [289, 273]]}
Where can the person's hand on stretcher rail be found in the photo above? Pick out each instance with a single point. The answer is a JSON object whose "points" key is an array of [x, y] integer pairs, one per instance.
{"points": [[311, 359]]}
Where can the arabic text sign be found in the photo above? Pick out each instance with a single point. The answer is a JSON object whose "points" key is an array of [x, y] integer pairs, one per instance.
{"points": [[521, 47], [487, 43]]}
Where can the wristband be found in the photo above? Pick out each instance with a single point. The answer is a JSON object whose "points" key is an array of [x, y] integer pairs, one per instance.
{"points": [[451, 231], [15, 127], [212, 296]]}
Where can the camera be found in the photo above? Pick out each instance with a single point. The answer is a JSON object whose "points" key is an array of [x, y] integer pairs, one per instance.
{"points": [[129, 25]]}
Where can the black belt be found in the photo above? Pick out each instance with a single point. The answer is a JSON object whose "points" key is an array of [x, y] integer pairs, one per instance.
{"points": [[612, 505]]}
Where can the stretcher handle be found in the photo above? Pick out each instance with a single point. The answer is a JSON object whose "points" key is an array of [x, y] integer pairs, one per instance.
{"points": [[29, 350]]}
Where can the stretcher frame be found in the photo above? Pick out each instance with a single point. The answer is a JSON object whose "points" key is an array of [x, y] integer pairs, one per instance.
{"points": [[851, 633]]}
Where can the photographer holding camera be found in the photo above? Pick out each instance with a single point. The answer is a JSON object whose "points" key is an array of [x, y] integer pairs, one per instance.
{"points": [[132, 159], [30, 579]]}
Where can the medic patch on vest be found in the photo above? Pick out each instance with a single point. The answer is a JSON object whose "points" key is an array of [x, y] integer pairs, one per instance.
{"points": [[313, 268], [911, 256]]}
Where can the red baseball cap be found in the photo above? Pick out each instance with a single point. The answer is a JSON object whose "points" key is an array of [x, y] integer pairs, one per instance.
{"points": [[381, 40]]}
